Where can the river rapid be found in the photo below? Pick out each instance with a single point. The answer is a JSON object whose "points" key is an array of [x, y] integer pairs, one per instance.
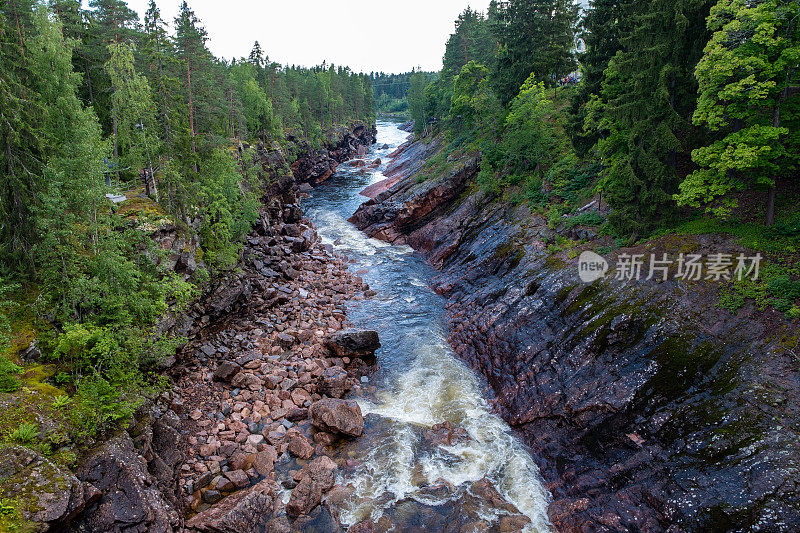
{"points": [[395, 471]]}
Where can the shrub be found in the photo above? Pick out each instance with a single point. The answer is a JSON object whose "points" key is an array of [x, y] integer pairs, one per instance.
{"points": [[25, 433], [590, 218], [8, 375], [99, 404]]}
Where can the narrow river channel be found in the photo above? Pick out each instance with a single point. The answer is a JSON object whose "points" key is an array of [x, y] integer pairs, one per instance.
{"points": [[397, 472]]}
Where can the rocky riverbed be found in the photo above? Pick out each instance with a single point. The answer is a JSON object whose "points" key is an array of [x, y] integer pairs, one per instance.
{"points": [[262, 395]]}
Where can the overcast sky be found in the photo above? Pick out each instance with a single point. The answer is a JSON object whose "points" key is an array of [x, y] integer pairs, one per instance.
{"points": [[366, 35]]}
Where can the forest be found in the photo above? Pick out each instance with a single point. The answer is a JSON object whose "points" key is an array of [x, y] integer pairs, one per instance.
{"points": [[96, 103], [685, 109], [685, 117], [391, 90]]}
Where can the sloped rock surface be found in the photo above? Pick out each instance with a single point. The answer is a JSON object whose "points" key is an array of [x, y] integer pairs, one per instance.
{"points": [[645, 405]]}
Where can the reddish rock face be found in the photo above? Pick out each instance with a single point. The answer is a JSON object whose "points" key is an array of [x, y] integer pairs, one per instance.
{"points": [[337, 416], [636, 399]]}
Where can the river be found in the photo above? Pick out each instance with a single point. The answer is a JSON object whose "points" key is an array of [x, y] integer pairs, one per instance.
{"points": [[420, 382]]}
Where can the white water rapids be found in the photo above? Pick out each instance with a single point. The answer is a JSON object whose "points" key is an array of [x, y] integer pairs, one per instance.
{"points": [[421, 381]]}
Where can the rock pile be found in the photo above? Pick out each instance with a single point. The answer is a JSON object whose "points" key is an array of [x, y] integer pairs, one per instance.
{"points": [[263, 394]]}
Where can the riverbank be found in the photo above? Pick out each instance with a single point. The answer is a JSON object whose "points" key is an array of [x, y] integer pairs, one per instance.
{"points": [[257, 390], [646, 405]]}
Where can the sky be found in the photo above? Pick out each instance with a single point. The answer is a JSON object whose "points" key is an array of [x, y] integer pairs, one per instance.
{"points": [[366, 35]]}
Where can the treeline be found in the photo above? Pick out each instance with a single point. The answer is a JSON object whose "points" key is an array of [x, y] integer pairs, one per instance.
{"points": [[391, 90], [95, 102], [682, 106]]}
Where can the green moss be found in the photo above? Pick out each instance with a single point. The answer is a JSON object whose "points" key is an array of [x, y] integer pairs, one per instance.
{"points": [[682, 365], [11, 518], [35, 378]]}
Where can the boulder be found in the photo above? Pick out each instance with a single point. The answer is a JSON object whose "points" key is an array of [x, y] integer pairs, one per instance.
{"points": [[333, 382], [248, 510], [264, 461], [354, 343], [299, 445], [316, 478], [48, 495], [445, 434], [130, 497], [337, 416], [305, 497], [226, 371]]}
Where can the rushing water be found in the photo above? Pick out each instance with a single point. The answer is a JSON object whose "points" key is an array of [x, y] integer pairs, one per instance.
{"points": [[421, 382]]}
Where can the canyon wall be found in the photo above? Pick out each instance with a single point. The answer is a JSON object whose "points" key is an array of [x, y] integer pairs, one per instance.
{"points": [[646, 406]]}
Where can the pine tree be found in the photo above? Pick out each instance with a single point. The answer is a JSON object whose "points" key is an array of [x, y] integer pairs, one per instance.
{"points": [[471, 41], [749, 67], [160, 68]]}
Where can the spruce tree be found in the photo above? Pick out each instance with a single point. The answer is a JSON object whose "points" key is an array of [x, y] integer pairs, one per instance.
{"points": [[606, 22], [536, 37], [648, 96], [20, 141]]}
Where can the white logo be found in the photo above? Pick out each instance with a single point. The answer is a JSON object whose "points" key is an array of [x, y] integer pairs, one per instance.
{"points": [[591, 267]]}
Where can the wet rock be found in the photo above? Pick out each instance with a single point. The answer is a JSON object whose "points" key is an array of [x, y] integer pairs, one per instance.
{"points": [[315, 478], [212, 496], [321, 471], [334, 382], [445, 434], [299, 445], [354, 343], [305, 497], [248, 510], [129, 495], [367, 526], [264, 461], [337, 416], [47, 494]]}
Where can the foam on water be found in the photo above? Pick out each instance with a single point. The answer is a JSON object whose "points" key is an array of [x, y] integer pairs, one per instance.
{"points": [[421, 382]]}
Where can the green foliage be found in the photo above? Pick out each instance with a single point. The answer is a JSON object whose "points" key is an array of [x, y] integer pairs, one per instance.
{"points": [[8, 375], [25, 433], [61, 401], [100, 404], [591, 218], [748, 66], [647, 97], [230, 209], [532, 142], [536, 38], [776, 287], [472, 41], [416, 100]]}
